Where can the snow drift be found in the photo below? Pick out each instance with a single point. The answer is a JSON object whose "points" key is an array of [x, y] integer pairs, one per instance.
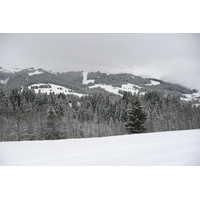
{"points": [[162, 148]]}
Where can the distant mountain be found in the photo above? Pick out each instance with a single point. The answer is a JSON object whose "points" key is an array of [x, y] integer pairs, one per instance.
{"points": [[84, 83]]}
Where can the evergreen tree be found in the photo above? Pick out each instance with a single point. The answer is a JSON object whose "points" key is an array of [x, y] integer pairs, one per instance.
{"points": [[136, 117], [52, 125]]}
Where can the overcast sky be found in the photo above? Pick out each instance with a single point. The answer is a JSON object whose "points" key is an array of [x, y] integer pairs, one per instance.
{"points": [[170, 57]]}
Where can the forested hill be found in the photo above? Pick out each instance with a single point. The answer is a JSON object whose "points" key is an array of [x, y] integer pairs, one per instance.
{"points": [[37, 105], [27, 115], [80, 83]]}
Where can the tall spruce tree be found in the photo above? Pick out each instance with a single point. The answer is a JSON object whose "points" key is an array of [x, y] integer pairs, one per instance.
{"points": [[136, 117], [52, 125]]}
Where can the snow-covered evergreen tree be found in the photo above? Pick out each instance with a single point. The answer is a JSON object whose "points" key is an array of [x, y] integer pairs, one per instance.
{"points": [[136, 117], [52, 125]]}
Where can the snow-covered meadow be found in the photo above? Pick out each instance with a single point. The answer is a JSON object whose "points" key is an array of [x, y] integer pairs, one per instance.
{"points": [[53, 88], [174, 148]]}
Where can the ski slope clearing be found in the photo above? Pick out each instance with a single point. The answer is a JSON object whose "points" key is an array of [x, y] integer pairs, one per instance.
{"points": [[162, 148], [85, 80]]}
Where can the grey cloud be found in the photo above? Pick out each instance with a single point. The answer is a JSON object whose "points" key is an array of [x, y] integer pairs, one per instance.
{"points": [[174, 57]]}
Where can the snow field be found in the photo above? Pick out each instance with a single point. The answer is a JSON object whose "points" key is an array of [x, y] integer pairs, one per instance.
{"points": [[150, 149], [85, 80], [10, 70], [35, 73], [4, 82], [57, 89], [125, 87], [153, 83], [190, 97]]}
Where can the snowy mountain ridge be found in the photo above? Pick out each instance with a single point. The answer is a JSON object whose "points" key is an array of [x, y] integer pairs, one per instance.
{"points": [[91, 82], [10, 70]]}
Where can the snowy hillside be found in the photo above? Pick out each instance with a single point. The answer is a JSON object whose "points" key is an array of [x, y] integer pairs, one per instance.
{"points": [[9, 70], [125, 87], [85, 80], [4, 81], [93, 82], [162, 148], [35, 72], [190, 97], [52, 88], [153, 83]]}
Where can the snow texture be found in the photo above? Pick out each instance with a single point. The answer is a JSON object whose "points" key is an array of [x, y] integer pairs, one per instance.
{"points": [[4, 70], [50, 88], [35, 73], [85, 81], [125, 87], [4, 82], [10, 70], [153, 149], [190, 97], [153, 83]]}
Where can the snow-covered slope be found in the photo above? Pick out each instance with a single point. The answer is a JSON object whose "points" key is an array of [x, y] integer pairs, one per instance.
{"points": [[162, 148], [85, 80], [4, 81], [190, 97], [3, 70], [50, 88], [10, 70], [35, 72], [153, 83], [125, 87]]}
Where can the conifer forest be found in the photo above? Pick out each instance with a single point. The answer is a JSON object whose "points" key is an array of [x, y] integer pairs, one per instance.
{"points": [[26, 115]]}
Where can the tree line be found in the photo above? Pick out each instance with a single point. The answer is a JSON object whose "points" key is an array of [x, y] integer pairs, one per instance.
{"points": [[25, 115]]}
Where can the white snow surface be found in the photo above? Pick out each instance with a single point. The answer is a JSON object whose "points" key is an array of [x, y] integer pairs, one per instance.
{"points": [[176, 148], [35, 73], [85, 80], [153, 83], [190, 97], [10, 69], [108, 88], [125, 87], [4, 81], [57, 89], [3, 70]]}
